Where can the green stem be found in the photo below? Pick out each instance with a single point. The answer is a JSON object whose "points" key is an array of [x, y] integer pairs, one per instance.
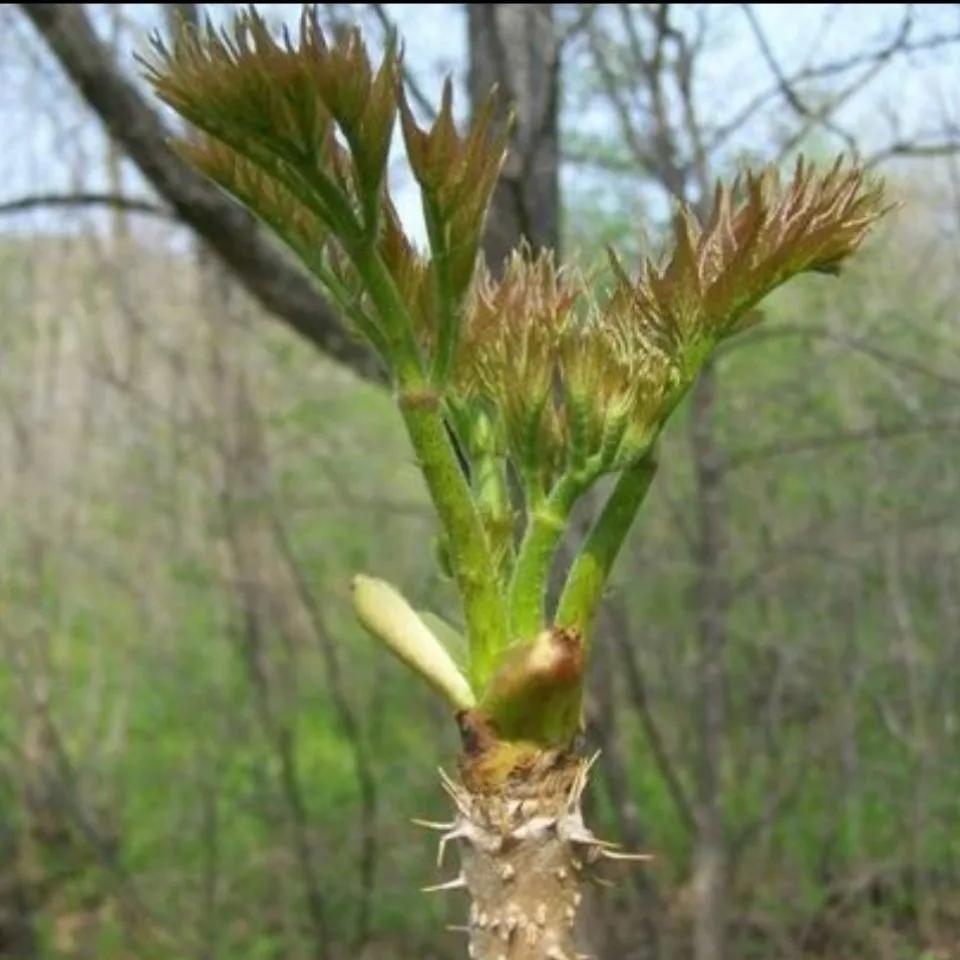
{"points": [[588, 576], [545, 528], [348, 302], [448, 327], [490, 493], [470, 556], [403, 354]]}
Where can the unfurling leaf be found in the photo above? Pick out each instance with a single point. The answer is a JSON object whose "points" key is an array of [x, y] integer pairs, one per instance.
{"points": [[719, 271], [363, 102], [457, 175], [508, 352], [576, 384], [272, 202], [411, 273], [391, 620], [277, 104], [616, 383]]}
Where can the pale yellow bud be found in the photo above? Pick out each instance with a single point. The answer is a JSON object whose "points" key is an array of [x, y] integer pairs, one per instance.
{"points": [[390, 619]]}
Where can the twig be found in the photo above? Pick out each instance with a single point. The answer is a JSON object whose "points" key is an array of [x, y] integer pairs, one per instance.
{"points": [[69, 200]]}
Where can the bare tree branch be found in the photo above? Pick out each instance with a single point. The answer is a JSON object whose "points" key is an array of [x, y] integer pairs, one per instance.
{"points": [[766, 51], [637, 688], [422, 101], [111, 201], [839, 438], [857, 344], [643, 158], [253, 259], [822, 115], [898, 45], [911, 148]]}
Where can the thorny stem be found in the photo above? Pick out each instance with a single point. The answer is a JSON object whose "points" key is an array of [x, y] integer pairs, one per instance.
{"points": [[585, 583], [525, 853], [519, 824]]}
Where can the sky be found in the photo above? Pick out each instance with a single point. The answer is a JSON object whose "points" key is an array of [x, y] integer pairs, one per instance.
{"points": [[52, 144]]}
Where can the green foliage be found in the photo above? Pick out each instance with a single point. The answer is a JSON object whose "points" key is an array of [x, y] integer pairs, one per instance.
{"points": [[152, 695], [536, 374]]}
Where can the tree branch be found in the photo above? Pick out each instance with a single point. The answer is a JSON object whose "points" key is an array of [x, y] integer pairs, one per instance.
{"points": [[911, 148], [858, 344], [898, 45], [112, 201], [422, 101], [840, 438], [256, 262], [640, 699]]}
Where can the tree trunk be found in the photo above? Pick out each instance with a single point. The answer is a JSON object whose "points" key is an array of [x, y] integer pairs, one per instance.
{"points": [[525, 853], [18, 935], [513, 46], [260, 266], [710, 854]]}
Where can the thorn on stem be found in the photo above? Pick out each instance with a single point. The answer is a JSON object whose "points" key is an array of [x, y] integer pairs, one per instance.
{"points": [[448, 784], [602, 882], [457, 883], [454, 834], [432, 825], [620, 855], [587, 839]]}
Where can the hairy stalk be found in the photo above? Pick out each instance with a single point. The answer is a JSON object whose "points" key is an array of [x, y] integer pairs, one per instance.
{"points": [[472, 565], [448, 326], [545, 529], [588, 576], [470, 555]]}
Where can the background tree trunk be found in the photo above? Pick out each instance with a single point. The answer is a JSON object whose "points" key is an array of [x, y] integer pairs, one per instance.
{"points": [[514, 46], [254, 259], [710, 846]]}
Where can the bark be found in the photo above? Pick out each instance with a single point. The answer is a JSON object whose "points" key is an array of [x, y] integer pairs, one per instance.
{"points": [[524, 849], [255, 260], [640, 939], [525, 853], [514, 46]]}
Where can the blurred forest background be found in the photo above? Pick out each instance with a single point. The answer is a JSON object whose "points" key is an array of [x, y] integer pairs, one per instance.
{"points": [[202, 756]]}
